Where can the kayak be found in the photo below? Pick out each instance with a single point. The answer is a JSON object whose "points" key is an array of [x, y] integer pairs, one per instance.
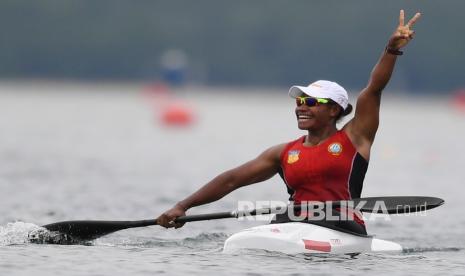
{"points": [[297, 237]]}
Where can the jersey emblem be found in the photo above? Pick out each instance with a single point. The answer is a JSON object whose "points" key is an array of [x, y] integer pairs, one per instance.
{"points": [[293, 156], [335, 148]]}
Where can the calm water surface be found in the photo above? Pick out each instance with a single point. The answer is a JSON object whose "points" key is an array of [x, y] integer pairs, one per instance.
{"points": [[100, 152]]}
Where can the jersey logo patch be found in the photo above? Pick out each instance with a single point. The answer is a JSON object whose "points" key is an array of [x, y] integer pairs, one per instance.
{"points": [[293, 156], [335, 148]]}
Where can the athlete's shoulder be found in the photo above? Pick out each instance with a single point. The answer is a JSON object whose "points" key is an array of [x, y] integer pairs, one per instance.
{"points": [[278, 151], [361, 144]]}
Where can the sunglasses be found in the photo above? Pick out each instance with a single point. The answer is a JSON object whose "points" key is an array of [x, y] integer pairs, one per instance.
{"points": [[310, 101]]}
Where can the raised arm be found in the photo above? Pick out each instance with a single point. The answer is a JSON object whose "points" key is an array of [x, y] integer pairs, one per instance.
{"points": [[362, 128], [260, 169]]}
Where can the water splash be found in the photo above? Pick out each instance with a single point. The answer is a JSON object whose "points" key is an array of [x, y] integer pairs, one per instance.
{"points": [[19, 232], [16, 233], [43, 236]]}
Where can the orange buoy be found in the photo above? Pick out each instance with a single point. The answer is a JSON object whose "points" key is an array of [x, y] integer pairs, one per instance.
{"points": [[177, 114]]}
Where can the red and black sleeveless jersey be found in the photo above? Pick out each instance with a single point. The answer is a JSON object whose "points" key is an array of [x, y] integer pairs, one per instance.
{"points": [[333, 170]]}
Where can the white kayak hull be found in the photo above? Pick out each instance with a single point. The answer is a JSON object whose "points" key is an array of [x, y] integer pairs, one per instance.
{"points": [[297, 238]]}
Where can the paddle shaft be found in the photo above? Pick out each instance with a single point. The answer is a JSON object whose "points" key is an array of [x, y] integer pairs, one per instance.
{"points": [[182, 219], [92, 229]]}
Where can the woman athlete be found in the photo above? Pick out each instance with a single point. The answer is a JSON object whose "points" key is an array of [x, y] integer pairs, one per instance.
{"points": [[327, 164]]}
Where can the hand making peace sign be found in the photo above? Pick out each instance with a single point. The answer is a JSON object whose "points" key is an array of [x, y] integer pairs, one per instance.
{"points": [[403, 33]]}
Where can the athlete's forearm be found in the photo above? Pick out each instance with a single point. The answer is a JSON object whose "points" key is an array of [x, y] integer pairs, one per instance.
{"points": [[217, 188], [382, 72]]}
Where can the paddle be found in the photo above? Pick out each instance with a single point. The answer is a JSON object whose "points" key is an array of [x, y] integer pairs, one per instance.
{"points": [[92, 229]]}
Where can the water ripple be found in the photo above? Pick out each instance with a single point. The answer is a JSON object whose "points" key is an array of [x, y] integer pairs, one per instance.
{"points": [[432, 249]]}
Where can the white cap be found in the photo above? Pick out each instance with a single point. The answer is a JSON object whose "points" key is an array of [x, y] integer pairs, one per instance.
{"points": [[322, 89]]}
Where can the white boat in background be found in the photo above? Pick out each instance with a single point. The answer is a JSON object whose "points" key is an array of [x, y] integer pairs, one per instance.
{"points": [[296, 238]]}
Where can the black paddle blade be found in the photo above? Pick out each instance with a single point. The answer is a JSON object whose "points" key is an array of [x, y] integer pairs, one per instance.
{"points": [[86, 230], [397, 204]]}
